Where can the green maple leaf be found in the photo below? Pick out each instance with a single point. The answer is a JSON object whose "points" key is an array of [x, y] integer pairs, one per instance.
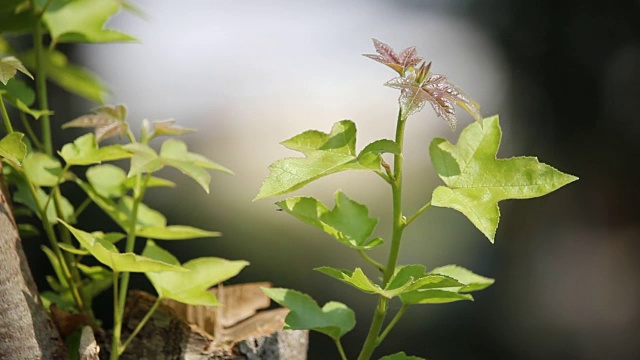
{"points": [[476, 181], [325, 154]]}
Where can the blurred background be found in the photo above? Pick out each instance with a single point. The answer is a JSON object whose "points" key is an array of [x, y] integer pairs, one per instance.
{"points": [[564, 77]]}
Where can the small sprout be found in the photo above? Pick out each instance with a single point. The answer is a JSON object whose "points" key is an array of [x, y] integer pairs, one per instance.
{"points": [[108, 121], [407, 59]]}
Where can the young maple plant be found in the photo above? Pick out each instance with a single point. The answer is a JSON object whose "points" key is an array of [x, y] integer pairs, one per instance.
{"points": [[474, 182]]}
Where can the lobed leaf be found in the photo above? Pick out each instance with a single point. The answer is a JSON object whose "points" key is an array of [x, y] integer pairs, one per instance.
{"points": [[190, 287], [173, 153], [107, 121], [9, 66], [13, 148], [334, 319], [472, 281], [85, 151], [348, 222], [42, 169], [325, 154], [107, 254], [83, 21], [480, 181], [107, 180]]}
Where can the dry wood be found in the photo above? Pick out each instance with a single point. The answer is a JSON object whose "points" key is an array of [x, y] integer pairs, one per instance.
{"points": [[168, 335]]}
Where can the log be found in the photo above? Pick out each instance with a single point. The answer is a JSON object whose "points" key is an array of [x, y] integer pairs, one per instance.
{"points": [[26, 331], [241, 333]]}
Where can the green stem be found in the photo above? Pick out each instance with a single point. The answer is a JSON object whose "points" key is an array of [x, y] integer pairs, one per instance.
{"points": [[117, 320], [41, 81], [392, 323], [138, 194], [5, 116], [418, 213], [51, 235], [370, 260], [343, 356], [371, 342], [56, 186], [29, 129], [81, 208], [141, 324]]}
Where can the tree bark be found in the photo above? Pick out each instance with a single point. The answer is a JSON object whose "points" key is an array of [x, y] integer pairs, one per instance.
{"points": [[26, 331]]}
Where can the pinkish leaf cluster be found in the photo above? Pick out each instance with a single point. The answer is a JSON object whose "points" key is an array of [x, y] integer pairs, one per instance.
{"points": [[107, 121], [419, 86]]}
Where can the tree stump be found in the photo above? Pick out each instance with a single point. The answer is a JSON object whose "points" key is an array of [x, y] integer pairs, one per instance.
{"points": [[235, 331]]}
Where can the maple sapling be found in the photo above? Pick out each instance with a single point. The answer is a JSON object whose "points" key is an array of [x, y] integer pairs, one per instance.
{"points": [[474, 182]]}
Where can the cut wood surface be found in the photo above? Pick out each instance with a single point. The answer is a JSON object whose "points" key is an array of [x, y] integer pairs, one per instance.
{"points": [[236, 331]]}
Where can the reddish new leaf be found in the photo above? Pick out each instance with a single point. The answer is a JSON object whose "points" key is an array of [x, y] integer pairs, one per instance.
{"points": [[438, 91], [107, 121], [407, 58]]}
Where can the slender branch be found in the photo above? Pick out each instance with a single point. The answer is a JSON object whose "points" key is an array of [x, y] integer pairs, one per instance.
{"points": [[117, 320], [392, 323], [140, 325], [41, 80], [370, 260], [138, 194], [5, 116], [418, 213], [51, 235], [56, 185], [343, 356], [81, 208], [371, 342], [29, 129]]}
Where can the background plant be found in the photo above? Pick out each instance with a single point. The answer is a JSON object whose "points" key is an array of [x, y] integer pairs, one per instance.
{"points": [[36, 171], [475, 181]]}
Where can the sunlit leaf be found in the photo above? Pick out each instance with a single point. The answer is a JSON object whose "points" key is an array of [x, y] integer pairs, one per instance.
{"points": [[13, 148], [146, 215], [9, 66], [190, 287], [108, 255], [348, 222], [472, 282], [42, 169], [174, 153], [433, 296], [325, 154], [175, 232], [107, 121], [406, 279], [107, 180], [167, 127], [83, 21], [144, 159], [85, 151], [480, 181], [130, 182], [334, 319]]}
